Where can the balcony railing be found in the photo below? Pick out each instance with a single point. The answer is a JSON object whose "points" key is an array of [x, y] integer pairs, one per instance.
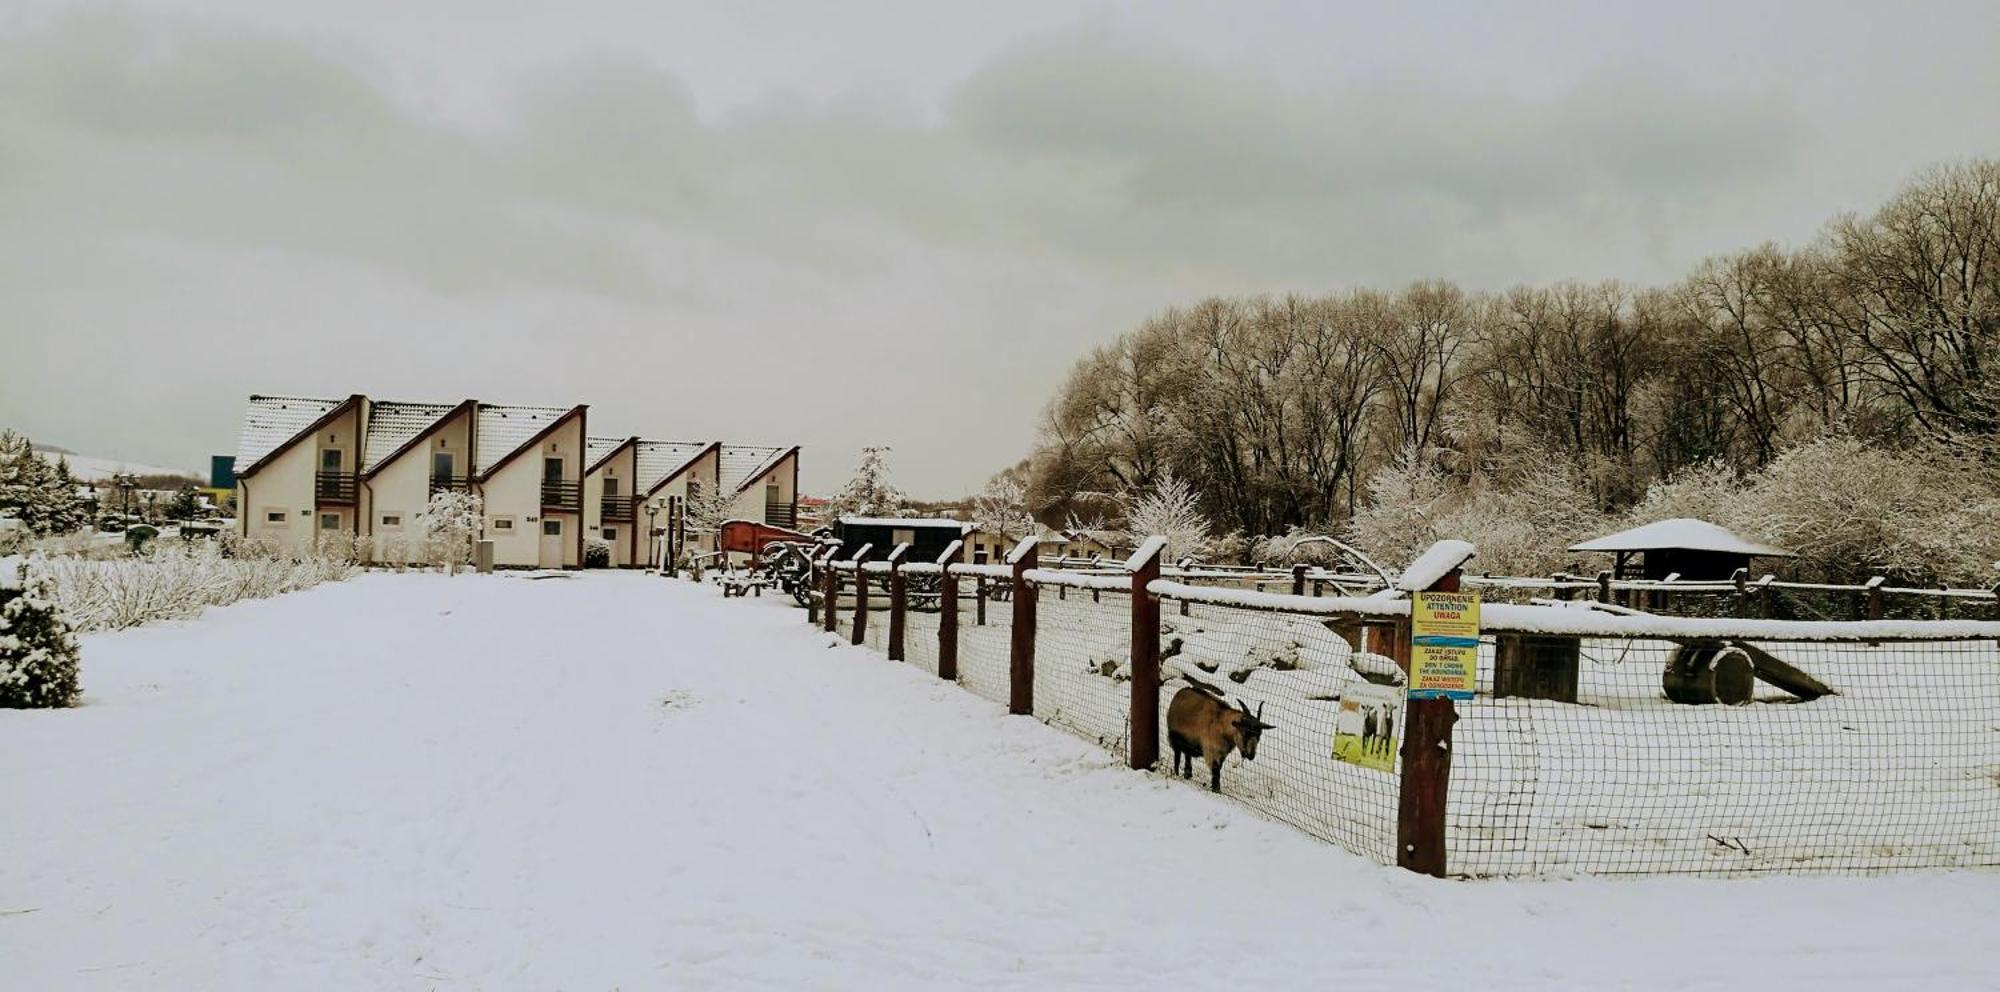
{"points": [[617, 508], [334, 487], [441, 483], [783, 515], [562, 495]]}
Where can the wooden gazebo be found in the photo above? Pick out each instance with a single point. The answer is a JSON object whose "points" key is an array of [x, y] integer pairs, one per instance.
{"points": [[1695, 550]]}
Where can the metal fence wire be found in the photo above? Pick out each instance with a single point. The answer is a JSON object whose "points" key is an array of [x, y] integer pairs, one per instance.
{"points": [[1596, 772]]}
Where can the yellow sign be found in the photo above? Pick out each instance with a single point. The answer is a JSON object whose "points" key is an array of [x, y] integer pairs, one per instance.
{"points": [[1444, 645]]}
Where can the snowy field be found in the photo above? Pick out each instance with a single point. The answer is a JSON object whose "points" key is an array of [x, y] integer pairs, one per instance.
{"points": [[614, 781]]}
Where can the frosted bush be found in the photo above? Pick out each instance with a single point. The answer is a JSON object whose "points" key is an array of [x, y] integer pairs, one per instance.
{"points": [[38, 652], [178, 582]]}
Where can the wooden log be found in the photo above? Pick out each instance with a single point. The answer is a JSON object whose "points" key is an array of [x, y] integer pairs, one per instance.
{"points": [[1021, 640], [1782, 674], [1710, 672]]}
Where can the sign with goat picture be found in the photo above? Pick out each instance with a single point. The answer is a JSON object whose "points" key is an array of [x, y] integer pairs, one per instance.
{"points": [[1364, 731], [1444, 645]]}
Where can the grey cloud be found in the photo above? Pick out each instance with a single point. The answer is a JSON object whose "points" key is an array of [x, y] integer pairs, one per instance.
{"points": [[245, 191]]}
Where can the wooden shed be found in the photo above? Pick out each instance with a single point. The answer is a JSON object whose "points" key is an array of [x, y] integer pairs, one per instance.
{"points": [[1696, 550]]}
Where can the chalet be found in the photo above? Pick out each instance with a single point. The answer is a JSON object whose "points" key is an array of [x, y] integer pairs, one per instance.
{"points": [[411, 450], [764, 483], [297, 479], [1694, 550], [528, 469], [356, 468], [608, 499]]}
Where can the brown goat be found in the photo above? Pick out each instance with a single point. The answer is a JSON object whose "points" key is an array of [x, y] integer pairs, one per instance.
{"points": [[1200, 721]]}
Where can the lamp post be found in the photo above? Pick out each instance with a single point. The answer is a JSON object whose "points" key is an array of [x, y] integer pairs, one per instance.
{"points": [[125, 483], [653, 531]]}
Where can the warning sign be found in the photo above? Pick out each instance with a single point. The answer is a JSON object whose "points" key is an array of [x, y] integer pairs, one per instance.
{"points": [[1444, 645]]}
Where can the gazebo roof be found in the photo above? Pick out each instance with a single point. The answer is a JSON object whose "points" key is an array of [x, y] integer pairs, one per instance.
{"points": [[1681, 534]]}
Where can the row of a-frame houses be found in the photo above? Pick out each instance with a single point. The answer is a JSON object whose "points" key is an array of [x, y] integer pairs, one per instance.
{"points": [[307, 468]]}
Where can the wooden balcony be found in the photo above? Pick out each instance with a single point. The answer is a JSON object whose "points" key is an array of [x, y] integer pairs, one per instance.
{"points": [[334, 487], [562, 497], [617, 509], [443, 483], [784, 515]]}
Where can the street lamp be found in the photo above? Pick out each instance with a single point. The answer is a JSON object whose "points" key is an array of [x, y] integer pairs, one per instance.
{"points": [[653, 533]]}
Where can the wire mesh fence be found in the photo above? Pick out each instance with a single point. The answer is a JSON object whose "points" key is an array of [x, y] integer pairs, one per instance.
{"points": [[1602, 745], [1900, 768]]}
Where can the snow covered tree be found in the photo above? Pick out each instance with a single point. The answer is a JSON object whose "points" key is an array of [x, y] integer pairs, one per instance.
{"points": [[706, 509], [450, 524], [38, 652], [869, 493], [41, 495], [186, 504], [1171, 510], [1001, 509]]}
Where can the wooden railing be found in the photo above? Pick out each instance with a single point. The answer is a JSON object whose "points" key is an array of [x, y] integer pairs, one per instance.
{"points": [[334, 487], [562, 495], [617, 508]]}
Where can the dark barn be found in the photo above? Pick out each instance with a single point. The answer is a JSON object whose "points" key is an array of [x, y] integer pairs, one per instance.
{"points": [[928, 537]]}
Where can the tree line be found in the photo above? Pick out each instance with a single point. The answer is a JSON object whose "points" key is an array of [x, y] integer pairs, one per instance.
{"points": [[1285, 412]]}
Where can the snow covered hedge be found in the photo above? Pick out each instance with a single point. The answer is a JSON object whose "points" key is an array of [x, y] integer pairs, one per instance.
{"points": [[179, 582], [38, 654]]}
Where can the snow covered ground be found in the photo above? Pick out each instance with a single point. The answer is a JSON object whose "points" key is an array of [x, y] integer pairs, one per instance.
{"points": [[615, 781]]}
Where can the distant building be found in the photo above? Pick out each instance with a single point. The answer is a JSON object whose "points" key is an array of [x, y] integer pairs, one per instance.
{"points": [[308, 467]]}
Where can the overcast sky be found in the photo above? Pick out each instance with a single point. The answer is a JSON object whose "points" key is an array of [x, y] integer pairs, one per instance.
{"points": [[868, 222]]}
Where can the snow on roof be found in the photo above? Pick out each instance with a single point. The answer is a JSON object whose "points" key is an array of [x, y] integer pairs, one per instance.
{"points": [[270, 421], [1434, 564], [657, 461], [502, 430], [1680, 534], [392, 425], [743, 464], [902, 522], [595, 448]]}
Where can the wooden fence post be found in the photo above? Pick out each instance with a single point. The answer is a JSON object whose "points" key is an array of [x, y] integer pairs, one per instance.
{"points": [[831, 596], [1298, 580], [1021, 653], [947, 655], [1874, 603], [860, 596], [899, 601], [1604, 586], [1420, 801], [1145, 567], [979, 601]]}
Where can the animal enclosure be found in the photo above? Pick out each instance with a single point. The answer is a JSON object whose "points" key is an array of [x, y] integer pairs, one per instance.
{"points": [[1573, 758]]}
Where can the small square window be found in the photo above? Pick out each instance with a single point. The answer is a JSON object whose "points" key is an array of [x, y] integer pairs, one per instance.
{"points": [[551, 528], [274, 517], [329, 521], [611, 533], [503, 523], [392, 520]]}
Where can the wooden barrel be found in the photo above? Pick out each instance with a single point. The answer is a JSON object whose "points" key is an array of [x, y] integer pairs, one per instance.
{"points": [[1709, 673]]}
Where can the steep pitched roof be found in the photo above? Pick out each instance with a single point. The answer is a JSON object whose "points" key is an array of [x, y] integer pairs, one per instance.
{"points": [[502, 432], [659, 462], [272, 424], [743, 464], [1681, 534], [598, 450], [394, 428]]}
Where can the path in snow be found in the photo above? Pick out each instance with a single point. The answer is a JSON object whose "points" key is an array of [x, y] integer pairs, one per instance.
{"points": [[615, 781]]}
